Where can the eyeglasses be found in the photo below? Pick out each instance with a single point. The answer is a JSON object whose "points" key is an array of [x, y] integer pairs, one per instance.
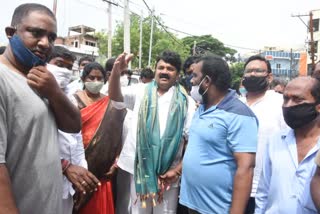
{"points": [[256, 70]]}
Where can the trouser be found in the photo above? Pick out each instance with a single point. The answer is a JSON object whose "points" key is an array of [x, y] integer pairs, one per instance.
{"points": [[250, 206], [67, 205], [123, 202], [168, 205]]}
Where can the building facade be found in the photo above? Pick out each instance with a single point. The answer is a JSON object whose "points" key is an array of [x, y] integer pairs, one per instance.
{"points": [[80, 41], [283, 63]]}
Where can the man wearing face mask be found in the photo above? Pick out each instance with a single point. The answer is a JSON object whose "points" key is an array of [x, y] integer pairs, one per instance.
{"points": [[218, 163], [32, 108], [288, 162], [266, 105], [74, 164]]}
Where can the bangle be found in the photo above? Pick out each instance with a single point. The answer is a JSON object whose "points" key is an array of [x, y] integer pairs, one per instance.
{"points": [[65, 165]]}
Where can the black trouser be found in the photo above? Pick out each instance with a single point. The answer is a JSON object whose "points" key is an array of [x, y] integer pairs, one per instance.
{"points": [[193, 212], [250, 206]]}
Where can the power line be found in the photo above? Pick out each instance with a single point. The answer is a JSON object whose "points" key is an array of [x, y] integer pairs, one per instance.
{"points": [[162, 26]]}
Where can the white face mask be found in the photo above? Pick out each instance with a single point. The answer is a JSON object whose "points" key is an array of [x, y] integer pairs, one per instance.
{"points": [[195, 92], [62, 75], [94, 87]]}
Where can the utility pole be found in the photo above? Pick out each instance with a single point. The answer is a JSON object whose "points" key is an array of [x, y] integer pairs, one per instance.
{"points": [[140, 43], [151, 37], [110, 3], [194, 48], [126, 25], [310, 29], [109, 31], [311, 40], [290, 63], [55, 7]]}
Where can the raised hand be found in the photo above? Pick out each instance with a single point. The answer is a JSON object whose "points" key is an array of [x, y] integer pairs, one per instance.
{"points": [[121, 63]]}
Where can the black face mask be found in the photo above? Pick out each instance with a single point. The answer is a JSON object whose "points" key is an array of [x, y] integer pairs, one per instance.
{"points": [[299, 115], [255, 84]]}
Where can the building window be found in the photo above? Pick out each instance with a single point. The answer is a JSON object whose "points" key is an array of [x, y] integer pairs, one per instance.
{"points": [[76, 44], [91, 44], [316, 47], [278, 66]]}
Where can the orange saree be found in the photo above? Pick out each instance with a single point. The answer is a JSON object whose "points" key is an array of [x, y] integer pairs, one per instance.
{"points": [[101, 201]]}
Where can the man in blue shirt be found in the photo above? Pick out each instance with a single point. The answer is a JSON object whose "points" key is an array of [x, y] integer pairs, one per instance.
{"points": [[288, 164], [219, 160]]}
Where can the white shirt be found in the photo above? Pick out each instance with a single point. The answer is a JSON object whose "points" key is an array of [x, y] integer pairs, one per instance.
{"points": [[268, 110], [132, 99], [71, 149]]}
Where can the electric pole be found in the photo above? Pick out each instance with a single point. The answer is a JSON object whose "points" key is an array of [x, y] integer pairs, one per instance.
{"points": [[140, 43], [110, 3], [126, 25], [151, 37], [310, 29], [109, 31], [194, 48], [311, 40], [55, 7], [290, 63]]}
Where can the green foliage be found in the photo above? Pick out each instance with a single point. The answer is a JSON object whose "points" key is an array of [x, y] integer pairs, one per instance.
{"points": [[102, 42], [236, 70], [207, 44], [161, 41]]}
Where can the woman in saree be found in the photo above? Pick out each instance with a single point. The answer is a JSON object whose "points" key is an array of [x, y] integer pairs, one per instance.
{"points": [[102, 121]]}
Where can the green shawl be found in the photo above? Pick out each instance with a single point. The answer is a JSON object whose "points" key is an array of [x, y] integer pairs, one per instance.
{"points": [[154, 155]]}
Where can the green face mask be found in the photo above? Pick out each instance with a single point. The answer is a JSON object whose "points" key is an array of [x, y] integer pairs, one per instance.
{"points": [[94, 87]]}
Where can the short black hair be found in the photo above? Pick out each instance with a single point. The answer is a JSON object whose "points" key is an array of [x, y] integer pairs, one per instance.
{"points": [[109, 64], [147, 73], [24, 10], [218, 70], [2, 49], [59, 51], [260, 58], [315, 90], [170, 57], [189, 61], [85, 58], [91, 66]]}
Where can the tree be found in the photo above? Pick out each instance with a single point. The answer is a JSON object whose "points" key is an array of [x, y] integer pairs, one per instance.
{"points": [[207, 44], [236, 70], [161, 41]]}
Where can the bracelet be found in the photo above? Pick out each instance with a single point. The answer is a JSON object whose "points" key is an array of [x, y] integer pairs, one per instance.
{"points": [[65, 165]]}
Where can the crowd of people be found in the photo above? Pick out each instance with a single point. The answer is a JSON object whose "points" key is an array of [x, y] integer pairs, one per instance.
{"points": [[169, 144]]}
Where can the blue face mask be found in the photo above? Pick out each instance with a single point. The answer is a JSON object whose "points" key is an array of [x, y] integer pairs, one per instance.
{"points": [[23, 55]]}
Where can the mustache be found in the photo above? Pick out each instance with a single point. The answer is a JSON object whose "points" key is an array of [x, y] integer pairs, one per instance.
{"points": [[166, 76]]}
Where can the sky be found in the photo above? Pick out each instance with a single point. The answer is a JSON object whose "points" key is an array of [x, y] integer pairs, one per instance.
{"points": [[244, 25]]}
